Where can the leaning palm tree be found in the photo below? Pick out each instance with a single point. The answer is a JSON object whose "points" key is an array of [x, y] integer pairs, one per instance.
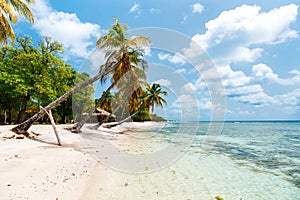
{"points": [[9, 9], [127, 57]]}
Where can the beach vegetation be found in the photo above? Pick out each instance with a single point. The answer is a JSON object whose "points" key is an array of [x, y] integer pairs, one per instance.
{"points": [[125, 67], [33, 75]]}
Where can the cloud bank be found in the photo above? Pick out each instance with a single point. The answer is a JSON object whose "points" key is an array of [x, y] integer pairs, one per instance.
{"points": [[76, 36]]}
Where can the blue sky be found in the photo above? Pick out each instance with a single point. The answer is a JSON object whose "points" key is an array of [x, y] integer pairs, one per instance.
{"points": [[254, 45]]}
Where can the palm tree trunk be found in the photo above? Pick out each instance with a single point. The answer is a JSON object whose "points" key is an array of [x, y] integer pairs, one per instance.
{"points": [[24, 126], [123, 120], [77, 127], [117, 108], [127, 118]]}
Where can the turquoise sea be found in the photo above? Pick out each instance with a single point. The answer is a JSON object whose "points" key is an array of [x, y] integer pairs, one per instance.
{"points": [[184, 160], [268, 146]]}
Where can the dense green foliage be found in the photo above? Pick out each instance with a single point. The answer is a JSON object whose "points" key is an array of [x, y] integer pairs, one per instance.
{"points": [[82, 100], [32, 76]]}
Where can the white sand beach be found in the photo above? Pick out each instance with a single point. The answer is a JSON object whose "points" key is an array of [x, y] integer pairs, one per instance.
{"points": [[39, 169]]}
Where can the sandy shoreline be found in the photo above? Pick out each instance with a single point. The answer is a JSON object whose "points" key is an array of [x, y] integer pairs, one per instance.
{"points": [[42, 170]]}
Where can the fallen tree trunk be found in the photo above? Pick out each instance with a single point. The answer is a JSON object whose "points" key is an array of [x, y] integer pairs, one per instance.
{"points": [[77, 127], [24, 126], [110, 125]]}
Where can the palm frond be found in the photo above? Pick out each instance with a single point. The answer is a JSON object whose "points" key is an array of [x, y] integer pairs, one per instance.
{"points": [[6, 30], [7, 9], [139, 42], [22, 8]]}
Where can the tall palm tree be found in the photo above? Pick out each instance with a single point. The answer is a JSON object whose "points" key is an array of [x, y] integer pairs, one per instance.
{"points": [[9, 9], [153, 96], [127, 55]]}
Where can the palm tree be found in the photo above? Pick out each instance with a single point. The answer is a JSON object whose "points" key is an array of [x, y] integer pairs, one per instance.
{"points": [[153, 96], [9, 9], [106, 104], [126, 52], [127, 55], [119, 52]]}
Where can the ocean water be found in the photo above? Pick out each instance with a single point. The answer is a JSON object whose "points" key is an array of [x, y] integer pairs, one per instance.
{"points": [[178, 160], [267, 147], [273, 147]]}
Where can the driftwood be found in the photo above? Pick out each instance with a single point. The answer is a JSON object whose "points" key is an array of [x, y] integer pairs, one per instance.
{"points": [[53, 124]]}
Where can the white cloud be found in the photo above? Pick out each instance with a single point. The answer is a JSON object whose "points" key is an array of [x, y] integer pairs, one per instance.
{"points": [[184, 19], [154, 11], [163, 82], [190, 88], [197, 8], [244, 90], [97, 59], [291, 98], [181, 71], [175, 59], [190, 105], [245, 112], [234, 32], [256, 99], [233, 78], [184, 99], [163, 56], [76, 36], [205, 104], [242, 54], [291, 102], [263, 72], [135, 8], [238, 86]]}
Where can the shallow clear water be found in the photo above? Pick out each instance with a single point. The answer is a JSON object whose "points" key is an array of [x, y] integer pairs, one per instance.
{"points": [[269, 147]]}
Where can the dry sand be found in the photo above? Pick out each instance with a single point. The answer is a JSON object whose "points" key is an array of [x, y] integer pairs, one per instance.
{"points": [[39, 169]]}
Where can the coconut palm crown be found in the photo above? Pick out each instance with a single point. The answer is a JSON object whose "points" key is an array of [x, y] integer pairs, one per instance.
{"points": [[153, 97], [126, 53]]}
